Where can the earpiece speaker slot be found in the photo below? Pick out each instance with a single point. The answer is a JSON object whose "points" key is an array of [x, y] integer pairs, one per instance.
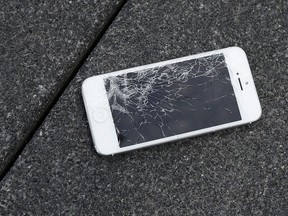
{"points": [[240, 84]]}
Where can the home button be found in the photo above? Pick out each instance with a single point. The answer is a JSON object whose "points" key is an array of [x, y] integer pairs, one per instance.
{"points": [[100, 115]]}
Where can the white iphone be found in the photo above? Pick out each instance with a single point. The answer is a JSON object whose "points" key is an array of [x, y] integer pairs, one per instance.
{"points": [[170, 100]]}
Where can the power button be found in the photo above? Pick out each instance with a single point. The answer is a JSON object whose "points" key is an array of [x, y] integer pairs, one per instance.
{"points": [[100, 115]]}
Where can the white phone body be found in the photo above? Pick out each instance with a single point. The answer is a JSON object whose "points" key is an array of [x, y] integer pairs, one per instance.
{"points": [[100, 115]]}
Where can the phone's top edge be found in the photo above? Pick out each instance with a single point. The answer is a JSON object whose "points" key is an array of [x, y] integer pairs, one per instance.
{"points": [[154, 64]]}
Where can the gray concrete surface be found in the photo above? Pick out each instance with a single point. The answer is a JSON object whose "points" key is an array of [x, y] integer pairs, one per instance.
{"points": [[40, 43], [241, 171]]}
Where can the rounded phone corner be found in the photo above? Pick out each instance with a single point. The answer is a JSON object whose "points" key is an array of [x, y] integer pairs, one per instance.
{"points": [[259, 114], [238, 50], [256, 114], [102, 152], [86, 82]]}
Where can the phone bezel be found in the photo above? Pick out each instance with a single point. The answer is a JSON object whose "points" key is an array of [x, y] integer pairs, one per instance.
{"points": [[100, 117]]}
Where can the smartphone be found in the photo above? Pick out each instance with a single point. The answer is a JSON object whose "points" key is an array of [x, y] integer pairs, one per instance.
{"points": [[170, 100]]}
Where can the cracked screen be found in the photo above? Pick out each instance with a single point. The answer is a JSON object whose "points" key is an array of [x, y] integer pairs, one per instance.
{"points": [[172, 99]]}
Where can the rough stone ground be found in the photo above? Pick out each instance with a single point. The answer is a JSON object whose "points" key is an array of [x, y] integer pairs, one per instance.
{"points": [[241, 171], [40, 44]]}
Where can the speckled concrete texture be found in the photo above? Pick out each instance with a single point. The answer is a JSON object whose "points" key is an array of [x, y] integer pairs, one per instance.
{"points": [[241, 171], [40, 42]]}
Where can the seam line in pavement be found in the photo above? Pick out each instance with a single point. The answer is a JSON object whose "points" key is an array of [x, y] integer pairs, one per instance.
{"points": [[74, 69]]}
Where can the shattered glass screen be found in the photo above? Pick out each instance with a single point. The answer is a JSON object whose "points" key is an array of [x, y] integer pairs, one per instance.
{"points": [[168, 100]]}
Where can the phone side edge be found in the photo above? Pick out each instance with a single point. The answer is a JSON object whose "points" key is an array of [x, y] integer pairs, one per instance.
{"points": [[90, 117], [239, 63]]}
